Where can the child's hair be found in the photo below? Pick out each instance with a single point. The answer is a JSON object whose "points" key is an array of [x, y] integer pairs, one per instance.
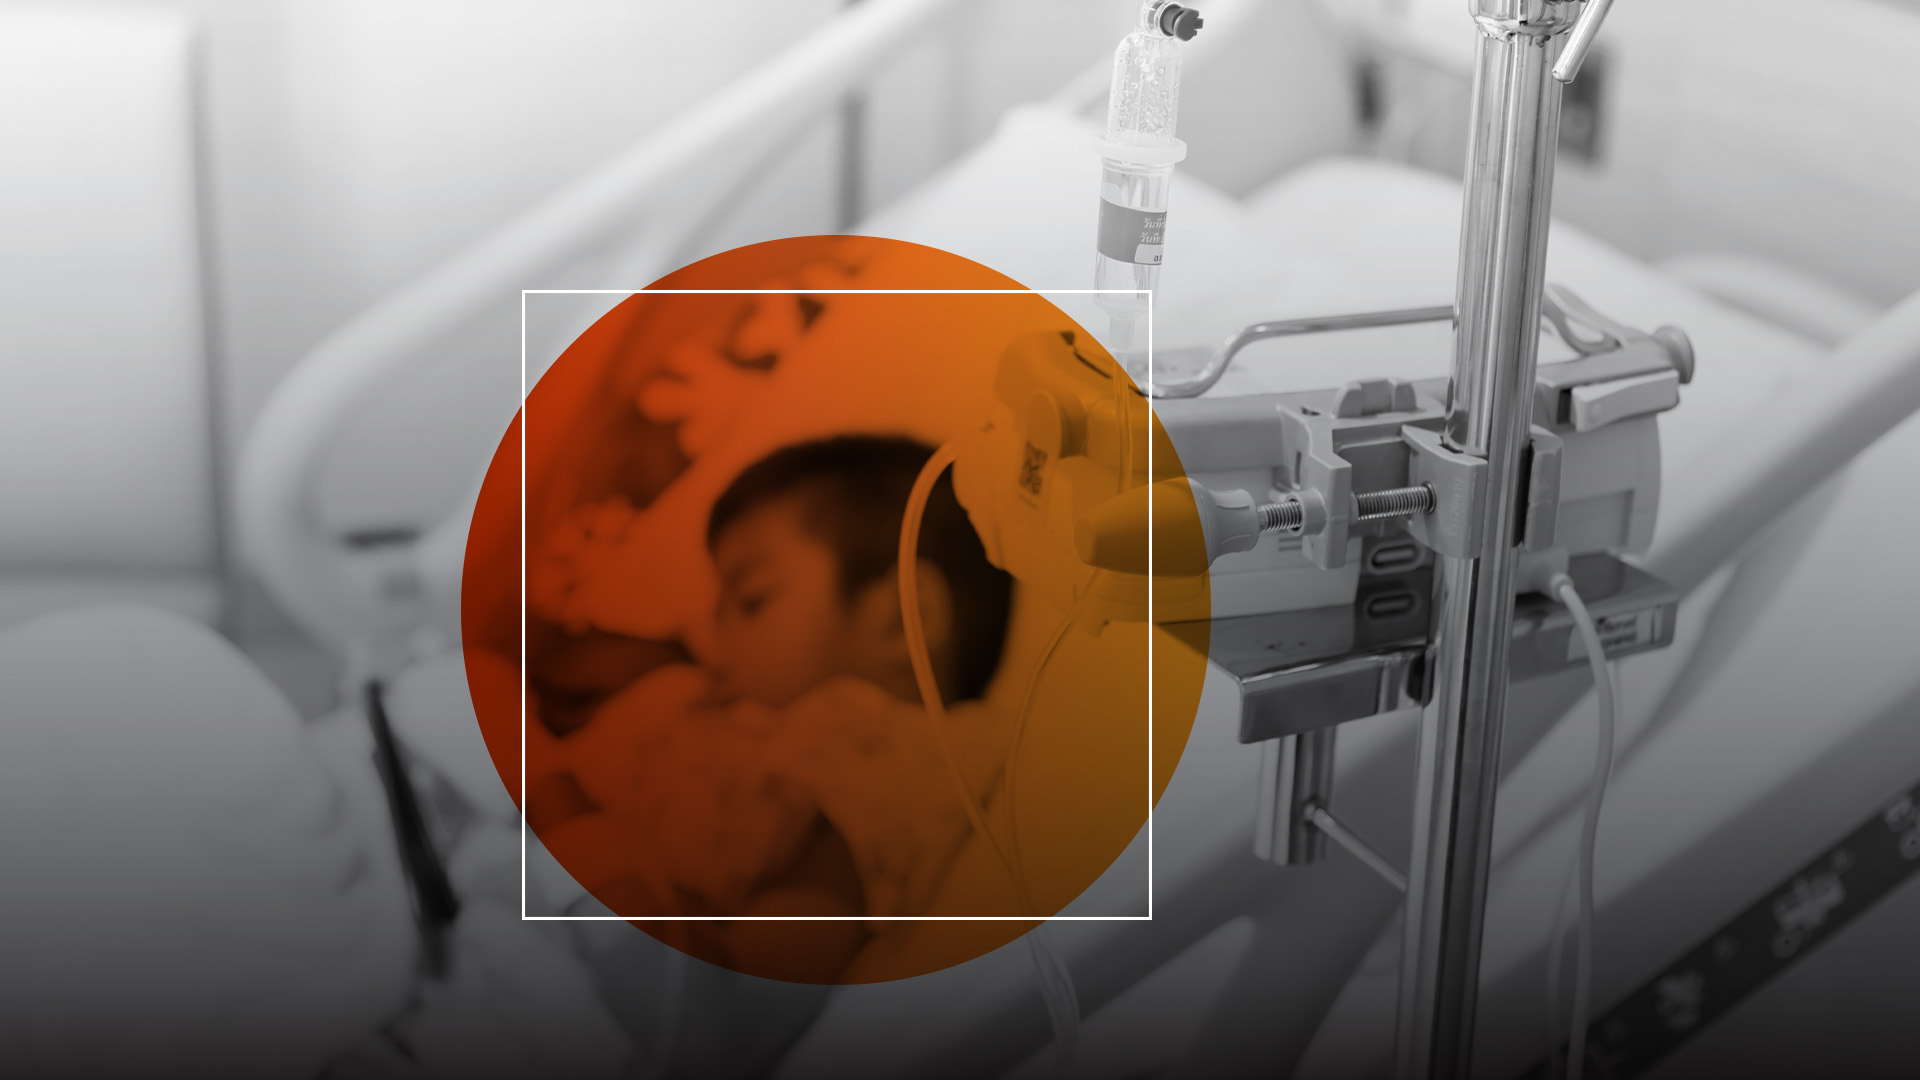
{"points": [[855, 490]]}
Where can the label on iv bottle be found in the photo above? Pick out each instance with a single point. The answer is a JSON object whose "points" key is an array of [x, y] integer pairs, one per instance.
{"points": [[1132, 236]]}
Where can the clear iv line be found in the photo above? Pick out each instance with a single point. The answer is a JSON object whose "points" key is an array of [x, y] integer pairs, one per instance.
{"points": [[1056, 982], [1560, 586]]}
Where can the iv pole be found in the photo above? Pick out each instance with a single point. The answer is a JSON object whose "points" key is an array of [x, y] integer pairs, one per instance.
{"points": [[1518, 74]]}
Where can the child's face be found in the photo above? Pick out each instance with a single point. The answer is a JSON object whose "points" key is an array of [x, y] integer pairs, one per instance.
{"points": [[784, 626]]}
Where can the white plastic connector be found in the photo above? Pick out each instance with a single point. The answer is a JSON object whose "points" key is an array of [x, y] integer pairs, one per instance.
{"points": [[1114, 535]]}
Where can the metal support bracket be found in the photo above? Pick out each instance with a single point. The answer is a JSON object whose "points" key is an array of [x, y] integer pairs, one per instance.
{"points": [[1321, 818], [1294, 821], [1296, 773], [1459, 483], [1356, 427], [1540, 515]]}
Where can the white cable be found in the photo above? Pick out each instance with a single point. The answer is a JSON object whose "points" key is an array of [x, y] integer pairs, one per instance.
{"points": [[918, 653], [1556, 938], [1009, 770], [1560, 586], [1063, 1001], [1056, 981]]}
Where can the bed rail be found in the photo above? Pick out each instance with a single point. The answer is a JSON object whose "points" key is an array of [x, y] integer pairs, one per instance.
{"points": [[665, 193]]}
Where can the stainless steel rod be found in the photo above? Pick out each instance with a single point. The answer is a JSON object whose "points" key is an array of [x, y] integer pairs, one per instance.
{"points": [[1207, 376], [1508, 197], [1358, 848]]}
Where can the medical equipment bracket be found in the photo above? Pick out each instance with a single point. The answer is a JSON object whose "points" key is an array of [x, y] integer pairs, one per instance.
{"points": [[1321, 517], [1364, 549], [1477, 478], [1364, 481]]}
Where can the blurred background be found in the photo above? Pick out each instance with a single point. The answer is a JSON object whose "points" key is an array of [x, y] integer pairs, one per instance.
{"points": [[327, 152], [261, 327]]}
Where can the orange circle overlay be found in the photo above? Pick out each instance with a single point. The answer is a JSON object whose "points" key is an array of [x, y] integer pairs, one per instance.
{"points": [[664, 796]]}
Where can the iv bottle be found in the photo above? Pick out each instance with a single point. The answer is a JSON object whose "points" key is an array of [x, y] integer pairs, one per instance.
{"points": [[1138, 154]]}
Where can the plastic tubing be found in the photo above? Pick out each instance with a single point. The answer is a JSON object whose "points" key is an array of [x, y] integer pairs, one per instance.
{"points": [[1870, 385], [1056, 982], [1561, 588], [922, 658], [1010, 769]]}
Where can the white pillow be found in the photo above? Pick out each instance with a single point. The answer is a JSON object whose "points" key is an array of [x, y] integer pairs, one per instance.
{"points": [[185, 867]]}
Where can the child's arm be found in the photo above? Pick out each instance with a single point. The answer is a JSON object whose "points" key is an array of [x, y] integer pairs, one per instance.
{"points": [[822, 880]]}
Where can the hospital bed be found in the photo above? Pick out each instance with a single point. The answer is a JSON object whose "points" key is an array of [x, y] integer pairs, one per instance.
{"points": [[1267, 966]]}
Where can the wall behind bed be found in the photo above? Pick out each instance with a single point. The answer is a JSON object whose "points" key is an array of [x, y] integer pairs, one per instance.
{"points": [[1776, 129], [356, 143]]}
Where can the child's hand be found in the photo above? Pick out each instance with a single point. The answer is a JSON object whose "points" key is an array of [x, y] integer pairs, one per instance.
{"points": [[608, 566], [583, 549], [703, 389], [702, 392]]}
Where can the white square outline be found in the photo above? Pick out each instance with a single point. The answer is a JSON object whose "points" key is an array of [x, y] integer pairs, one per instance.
{"points": [[521, 413]]}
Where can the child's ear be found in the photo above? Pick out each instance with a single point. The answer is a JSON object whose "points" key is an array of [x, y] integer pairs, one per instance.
{"points": [[878, 611]]}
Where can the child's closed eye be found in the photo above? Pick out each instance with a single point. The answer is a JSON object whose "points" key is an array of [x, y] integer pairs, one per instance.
{"points": [[746, 589]]}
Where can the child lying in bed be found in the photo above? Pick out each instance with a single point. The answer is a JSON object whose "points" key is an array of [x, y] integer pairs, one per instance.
{"points": [[798, 776]]}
